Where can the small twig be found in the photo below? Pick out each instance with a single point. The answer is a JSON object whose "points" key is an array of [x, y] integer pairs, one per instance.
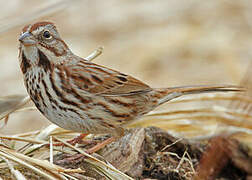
{"points": [[19, 105], [5, 121], [68, 176], [172, 154], [29, 134], [95, 54], [23, 148], [181, 161], [51, 150], [30, 140], [32, 108], [190, 162], [169, 145]]}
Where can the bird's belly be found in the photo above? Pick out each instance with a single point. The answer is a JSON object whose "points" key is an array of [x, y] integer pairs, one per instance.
{"points": [[50, 104], [72, 119], [67, 120]]}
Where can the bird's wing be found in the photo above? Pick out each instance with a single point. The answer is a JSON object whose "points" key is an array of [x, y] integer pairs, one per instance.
{"points": [[99, 80]]}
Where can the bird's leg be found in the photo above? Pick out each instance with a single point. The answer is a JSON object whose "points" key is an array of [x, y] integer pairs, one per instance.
{"points": [[119, 132], [79, 157], [100, 145], [78, 139]]}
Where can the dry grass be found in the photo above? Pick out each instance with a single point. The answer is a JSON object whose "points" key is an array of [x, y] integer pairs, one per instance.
{"points": [[175, 43], [163, 42], [30, 150]]}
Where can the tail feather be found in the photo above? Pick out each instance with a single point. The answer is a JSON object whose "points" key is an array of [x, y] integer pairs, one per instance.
{"points": [[174, 92]]}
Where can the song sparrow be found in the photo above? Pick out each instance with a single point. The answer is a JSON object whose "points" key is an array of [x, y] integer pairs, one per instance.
{"points": [[82, 96]]}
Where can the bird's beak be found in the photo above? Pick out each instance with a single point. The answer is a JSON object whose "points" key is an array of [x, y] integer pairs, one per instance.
{"points": [[27, 39]]}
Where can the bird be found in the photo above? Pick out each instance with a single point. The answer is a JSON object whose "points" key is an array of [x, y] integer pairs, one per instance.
{"points": [[82, 96]]}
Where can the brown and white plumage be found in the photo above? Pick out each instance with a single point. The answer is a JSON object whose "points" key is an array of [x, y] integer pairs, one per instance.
{"points": [[82, 96]]}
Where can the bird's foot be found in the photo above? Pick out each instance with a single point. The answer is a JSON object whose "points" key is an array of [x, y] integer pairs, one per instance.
{"points": [[79, 157], [74, 141]]}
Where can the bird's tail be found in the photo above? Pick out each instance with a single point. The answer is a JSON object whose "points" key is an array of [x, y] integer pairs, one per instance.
{"points": [[167, 94]]}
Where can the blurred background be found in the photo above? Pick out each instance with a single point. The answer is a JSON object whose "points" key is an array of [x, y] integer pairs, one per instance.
{"points": [[164, 43]]}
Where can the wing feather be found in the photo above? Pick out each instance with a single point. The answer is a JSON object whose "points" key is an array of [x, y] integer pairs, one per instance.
{"points": [[99, 80]]}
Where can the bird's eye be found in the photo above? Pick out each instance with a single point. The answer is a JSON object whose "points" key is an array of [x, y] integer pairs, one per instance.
{"points": [[47, 35]]}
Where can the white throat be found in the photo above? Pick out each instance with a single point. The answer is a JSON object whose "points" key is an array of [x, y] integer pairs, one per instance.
{"points": [[31, 53]]}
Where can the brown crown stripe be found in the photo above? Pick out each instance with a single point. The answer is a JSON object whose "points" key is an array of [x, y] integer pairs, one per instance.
{"points": [[44, 61], [25, 65], [26, 28], [38, 24]]}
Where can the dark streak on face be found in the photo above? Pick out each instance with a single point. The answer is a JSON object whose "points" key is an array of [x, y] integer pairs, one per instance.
{"points": [[44, 61], [24, 63], [54, 50]]}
